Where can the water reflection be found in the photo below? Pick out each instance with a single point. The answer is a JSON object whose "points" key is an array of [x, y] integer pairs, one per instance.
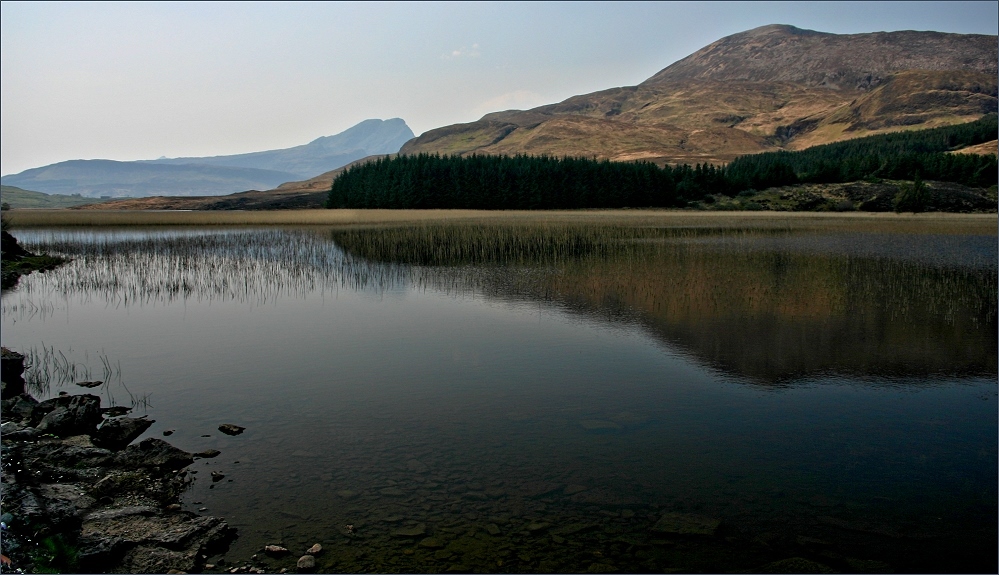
{"points": [[771, 305], [408, 382]]}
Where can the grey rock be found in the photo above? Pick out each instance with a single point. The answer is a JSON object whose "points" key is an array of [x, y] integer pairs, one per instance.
{"points": [[90, 384], [116, 434], [70, 493], [115, 410], [70, 415], [12, 431], [154, 452], [19, 407], [11, 373], [207, 454], [306, 563], [231, 429], [10, 427], [121, 512]]}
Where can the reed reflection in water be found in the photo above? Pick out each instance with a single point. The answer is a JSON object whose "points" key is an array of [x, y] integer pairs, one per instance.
{"points": [[537, 397], [768, 304]]}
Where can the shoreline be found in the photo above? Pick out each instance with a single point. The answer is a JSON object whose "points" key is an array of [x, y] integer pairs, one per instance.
{"points": [[83, 498], [34, 217]]}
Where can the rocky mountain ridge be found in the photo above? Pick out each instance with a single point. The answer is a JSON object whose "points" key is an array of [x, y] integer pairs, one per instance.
{"points": [[217, 175]]}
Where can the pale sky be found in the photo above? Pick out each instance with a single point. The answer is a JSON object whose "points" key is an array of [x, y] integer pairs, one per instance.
{"points": [[127, 81]]}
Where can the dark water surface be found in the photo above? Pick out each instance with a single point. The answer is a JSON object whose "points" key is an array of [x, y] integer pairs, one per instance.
{"points": [[517, 399]]}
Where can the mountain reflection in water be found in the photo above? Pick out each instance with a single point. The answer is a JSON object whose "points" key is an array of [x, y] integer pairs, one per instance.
{"points": [[555, 397], [772, 306]]}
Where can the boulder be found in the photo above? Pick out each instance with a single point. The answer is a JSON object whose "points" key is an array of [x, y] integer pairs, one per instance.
{"points": [[11, 370], [415, 531], [231, 429], [69, 415], [154, 452], [306, 563], [117, 433], [19, 407], [14, 431]]}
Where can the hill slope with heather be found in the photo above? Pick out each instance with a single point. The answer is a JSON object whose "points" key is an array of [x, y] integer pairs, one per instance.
{"points": [[771, 88]]}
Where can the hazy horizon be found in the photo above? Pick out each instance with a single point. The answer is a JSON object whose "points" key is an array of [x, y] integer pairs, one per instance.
{"points": [[140, 81]]}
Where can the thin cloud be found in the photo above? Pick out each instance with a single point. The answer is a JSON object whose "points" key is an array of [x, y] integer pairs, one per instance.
{"points": [[463, 52]]}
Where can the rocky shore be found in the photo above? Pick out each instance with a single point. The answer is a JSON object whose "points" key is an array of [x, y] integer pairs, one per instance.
{"points": [[78, 496], [15, 261]]}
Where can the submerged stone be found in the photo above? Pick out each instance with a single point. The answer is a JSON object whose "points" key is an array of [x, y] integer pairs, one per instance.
{"points": [[306, 563], [685, 524], [536, 527], [795, 565], [432, 543], [415, 531]]}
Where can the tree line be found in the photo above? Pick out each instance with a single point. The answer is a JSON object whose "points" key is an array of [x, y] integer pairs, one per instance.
{"points": [[524, 182]]}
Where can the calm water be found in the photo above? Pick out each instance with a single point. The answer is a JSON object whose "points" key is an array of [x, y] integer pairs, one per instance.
{"points": [[538, 404]]}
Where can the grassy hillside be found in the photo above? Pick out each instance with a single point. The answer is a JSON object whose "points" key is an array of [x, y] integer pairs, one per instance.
{"points": [[772, 88], [17, 198]]}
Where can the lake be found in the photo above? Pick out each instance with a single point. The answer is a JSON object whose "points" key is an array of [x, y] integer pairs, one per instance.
{"points": [[553, 397]]}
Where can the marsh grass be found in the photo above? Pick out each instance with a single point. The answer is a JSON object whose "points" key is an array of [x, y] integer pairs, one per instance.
{"points": [[772, 304], [47, 367], [137, 267], [911, 223], [757, 299]]}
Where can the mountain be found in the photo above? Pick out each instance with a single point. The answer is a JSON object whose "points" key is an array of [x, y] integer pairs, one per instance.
{"points": [[98, 178], [770, 88], [307, 194], [216, 175], [368, 138]]}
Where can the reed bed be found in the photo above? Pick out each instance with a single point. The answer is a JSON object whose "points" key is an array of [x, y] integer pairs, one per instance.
{"points": [[141, 267], [910, 223], [730, 294]]}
